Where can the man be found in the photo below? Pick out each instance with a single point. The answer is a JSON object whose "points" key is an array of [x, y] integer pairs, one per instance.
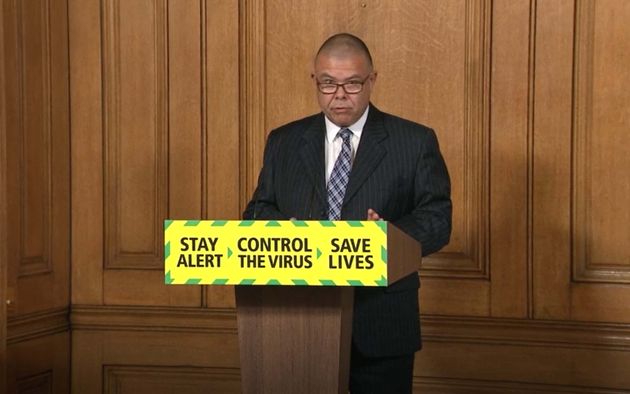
{"points": [[354, 162]]}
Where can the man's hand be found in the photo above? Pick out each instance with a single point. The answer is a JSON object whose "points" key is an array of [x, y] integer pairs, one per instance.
{"points": [[372, 215]]}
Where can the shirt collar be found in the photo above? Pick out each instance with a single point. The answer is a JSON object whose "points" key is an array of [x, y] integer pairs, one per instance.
{"points": [[356, 128]]}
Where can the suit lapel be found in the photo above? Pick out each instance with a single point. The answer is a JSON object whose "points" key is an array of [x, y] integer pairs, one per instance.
{"points": [[312, 155], [369, 154]]}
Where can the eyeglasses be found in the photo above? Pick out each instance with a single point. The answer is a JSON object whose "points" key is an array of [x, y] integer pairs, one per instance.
{"points": [[350, 87]]}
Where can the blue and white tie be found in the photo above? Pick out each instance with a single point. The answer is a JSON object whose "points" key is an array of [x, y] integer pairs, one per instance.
{"points": [[339, 176]]}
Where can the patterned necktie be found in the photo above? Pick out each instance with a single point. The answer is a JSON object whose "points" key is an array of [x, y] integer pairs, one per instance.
{"points": [[339, 176]]}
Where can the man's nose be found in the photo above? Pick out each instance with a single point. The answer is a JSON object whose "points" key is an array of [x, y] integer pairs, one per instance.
{"points": [[340, 94]]}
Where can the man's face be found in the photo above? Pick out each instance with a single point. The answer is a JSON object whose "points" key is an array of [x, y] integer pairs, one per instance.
{"points": [[342, 108]]}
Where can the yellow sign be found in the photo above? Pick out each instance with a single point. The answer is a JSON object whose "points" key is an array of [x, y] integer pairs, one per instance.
{"points": [[294, 253]]}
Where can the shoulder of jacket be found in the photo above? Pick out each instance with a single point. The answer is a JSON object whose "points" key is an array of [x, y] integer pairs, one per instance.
{"points": [[396, 124], [295, 127]]}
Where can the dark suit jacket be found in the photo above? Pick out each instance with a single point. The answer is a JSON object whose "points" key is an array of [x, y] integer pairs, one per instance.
{"points": [[399, 172]]}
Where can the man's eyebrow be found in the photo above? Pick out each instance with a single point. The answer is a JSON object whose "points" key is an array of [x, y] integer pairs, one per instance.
{"points": [[325, 75]]}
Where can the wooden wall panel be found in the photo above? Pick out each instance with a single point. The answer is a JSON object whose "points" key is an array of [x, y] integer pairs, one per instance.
{"points": [[135, 130], [41, 383], [156, 133], [452, 96], [40, 365], [87, 151], [166, 152], [36, 195], [517, 355], [521, 369], [33, 143], [185, 380], [581, 248], [136, 108], [601, 249], [123, 198], [38, 158], [195, 345]]}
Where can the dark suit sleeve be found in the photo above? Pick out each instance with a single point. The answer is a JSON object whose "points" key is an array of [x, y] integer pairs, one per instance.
{"points": [[430, 220], [263, 204]]}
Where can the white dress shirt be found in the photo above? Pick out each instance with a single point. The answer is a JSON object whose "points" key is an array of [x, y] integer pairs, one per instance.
{"points": [[334, 142]]}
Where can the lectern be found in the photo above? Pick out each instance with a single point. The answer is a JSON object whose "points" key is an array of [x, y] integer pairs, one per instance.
{"points": [[295, 285]]}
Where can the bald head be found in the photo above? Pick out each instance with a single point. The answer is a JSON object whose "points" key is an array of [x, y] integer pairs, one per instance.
{"points": [[344, 78], [343, 45]]}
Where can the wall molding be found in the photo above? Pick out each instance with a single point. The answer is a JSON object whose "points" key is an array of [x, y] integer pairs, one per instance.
{"points": [[115, 377], [252, 92], [531, 117], [453, 385], [40, 383], [523, 332], [88, 317], [519, 332], [36, 325]]}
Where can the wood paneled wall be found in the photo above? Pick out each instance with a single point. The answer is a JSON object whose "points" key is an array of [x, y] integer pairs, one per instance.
{"points": [[159, 109], [36, 195], [155, 134]]}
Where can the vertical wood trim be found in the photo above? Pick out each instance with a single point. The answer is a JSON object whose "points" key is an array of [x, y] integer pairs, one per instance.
{"points": [[203, 11], [60, 231], [551, 190], [110, 57], [86, 150], [580, 136], [511, 67], [252, 101], [477, 118], [3, 213], [531, 94]]}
